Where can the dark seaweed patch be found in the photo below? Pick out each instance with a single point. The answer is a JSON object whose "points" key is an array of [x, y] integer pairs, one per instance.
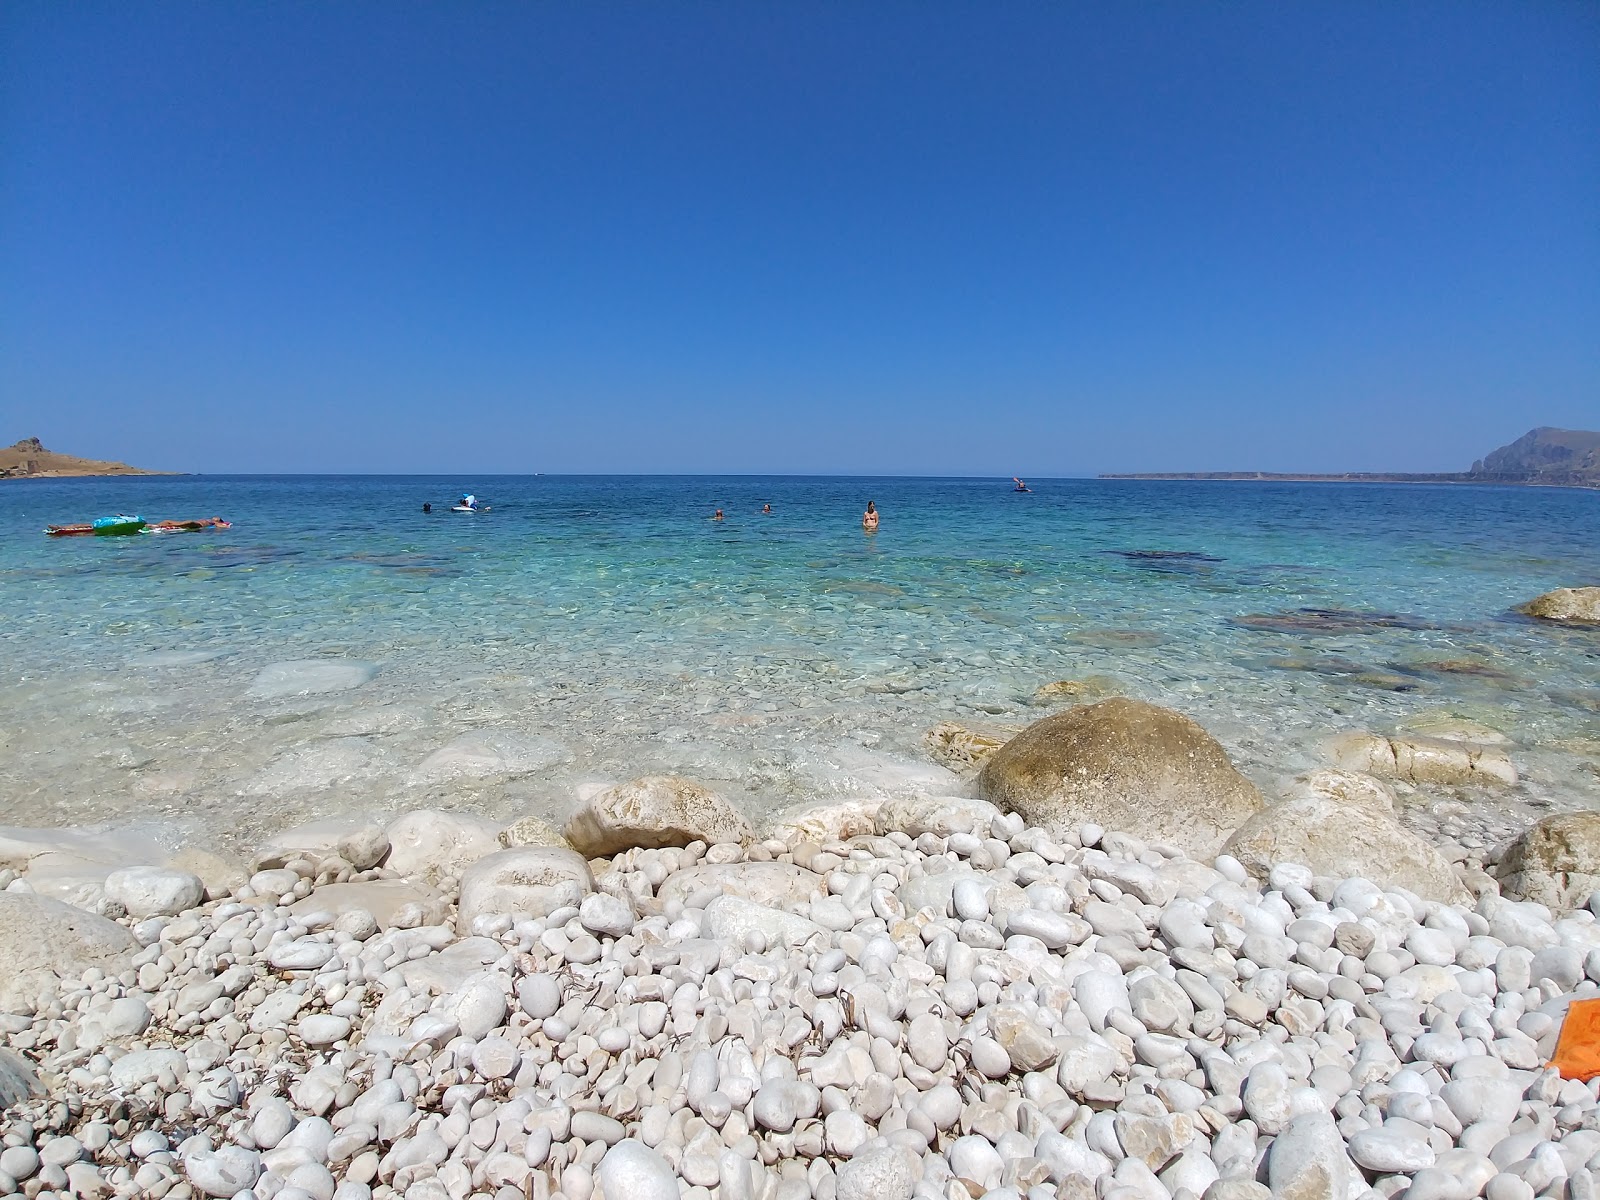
{"points": [[1330, 621]]}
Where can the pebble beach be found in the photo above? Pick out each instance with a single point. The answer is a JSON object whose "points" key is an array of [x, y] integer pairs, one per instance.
{"points": [[1070, 937]]}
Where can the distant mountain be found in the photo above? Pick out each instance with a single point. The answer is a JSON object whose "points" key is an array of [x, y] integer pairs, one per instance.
{"points": [[1568, 457], [29, 459], [1544, 456]]}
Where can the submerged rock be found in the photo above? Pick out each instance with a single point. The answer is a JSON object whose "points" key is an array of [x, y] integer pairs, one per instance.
{"points": [[1423, 760], [310, 677], [1125, 765], [655, 811], [965, 748], [1571, 605], [1343, 824], [485, 753], [1077, 691], [1330, 620], [1448, 727], [1555, 862], [320, 765]]}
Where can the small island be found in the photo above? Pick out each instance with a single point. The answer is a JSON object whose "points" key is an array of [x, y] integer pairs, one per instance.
{"points": [[28, 459], [1542, 457]]}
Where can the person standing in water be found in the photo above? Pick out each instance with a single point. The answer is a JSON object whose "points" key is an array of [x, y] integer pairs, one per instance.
{"points": [[869, 519]]}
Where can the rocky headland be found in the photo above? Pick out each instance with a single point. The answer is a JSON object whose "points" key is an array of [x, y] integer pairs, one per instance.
{"points": [[1544, 456], [1114, 970], [28, 459]]}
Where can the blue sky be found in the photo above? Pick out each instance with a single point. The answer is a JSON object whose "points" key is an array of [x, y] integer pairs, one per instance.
{"points": [[1052, 239]]}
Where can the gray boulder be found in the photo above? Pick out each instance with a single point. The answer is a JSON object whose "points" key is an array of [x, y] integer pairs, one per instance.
{"points": [[1343, 824], [1574, 606], [43, 940], [1125, 765]]}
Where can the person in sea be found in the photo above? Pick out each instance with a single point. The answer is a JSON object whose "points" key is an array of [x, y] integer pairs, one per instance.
{"points": [[869, 519], [427, 508], [766, 510], [717, 516]]}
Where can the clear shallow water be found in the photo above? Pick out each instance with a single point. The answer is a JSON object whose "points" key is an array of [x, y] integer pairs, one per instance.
{"points": [[603, 627]]}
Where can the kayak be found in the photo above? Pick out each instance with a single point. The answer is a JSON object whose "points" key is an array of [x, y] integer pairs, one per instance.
{"points": [[474, 508], [188, 526]]}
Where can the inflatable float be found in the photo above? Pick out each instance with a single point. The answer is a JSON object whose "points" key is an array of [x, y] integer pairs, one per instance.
{"points": [[123, 525]]}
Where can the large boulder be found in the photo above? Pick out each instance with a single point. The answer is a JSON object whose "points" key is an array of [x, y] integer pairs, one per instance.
{"points": [[429, 844], [1125, 765], [534, 881], [1423, 760], [1343, 824], [1555, 862], [154, 891], [1574, 605], [658, 810], [43, 940]]}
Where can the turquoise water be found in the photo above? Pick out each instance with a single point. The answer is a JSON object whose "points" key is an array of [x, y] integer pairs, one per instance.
{"points": [[597, 628]]}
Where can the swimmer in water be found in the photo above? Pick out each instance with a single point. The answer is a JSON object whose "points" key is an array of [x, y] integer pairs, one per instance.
{"points": [[767, 509], [717, 516], [869, 519]]}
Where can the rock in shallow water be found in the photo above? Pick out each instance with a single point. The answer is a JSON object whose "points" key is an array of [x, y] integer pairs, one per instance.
{"points": [[486, 753], [1125, 765], [655, 811], [1574, 605], [307, 677], [1422, 760]]}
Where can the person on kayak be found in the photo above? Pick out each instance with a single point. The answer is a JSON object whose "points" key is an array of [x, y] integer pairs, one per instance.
{"points": [[469, 501]]}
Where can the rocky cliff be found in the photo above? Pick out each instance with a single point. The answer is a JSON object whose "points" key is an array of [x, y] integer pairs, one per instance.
{"points": [[29, 458], [1554, 456]]}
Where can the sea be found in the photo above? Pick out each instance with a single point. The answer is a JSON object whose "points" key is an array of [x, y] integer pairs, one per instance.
{"points": [[587, 630]]}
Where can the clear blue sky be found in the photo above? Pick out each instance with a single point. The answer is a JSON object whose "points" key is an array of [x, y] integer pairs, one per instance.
{"points": [[902, 238]]}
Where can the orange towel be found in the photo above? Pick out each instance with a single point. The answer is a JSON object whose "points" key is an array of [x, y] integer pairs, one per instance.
{"points": [[1578, 1050]]}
